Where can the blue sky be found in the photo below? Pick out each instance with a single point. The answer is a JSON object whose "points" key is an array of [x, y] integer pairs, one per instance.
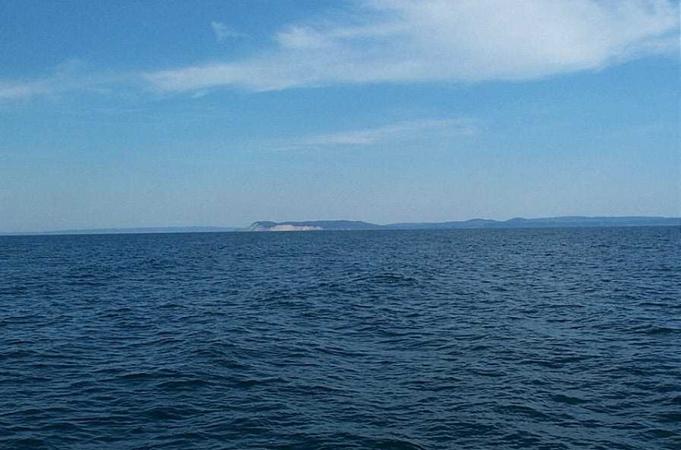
{"points": [[161, 113]]}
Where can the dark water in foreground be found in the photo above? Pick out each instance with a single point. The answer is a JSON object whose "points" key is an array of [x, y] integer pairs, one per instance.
{"points": [[370, 340]]}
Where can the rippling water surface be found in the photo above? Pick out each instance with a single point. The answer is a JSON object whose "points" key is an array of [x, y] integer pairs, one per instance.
{"points": [[565, 338]]}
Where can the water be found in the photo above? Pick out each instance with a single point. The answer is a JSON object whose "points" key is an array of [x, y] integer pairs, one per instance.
{"points": [[565, 338]]}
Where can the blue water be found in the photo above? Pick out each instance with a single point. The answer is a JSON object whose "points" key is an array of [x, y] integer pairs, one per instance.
{"points": [[552, 339]]}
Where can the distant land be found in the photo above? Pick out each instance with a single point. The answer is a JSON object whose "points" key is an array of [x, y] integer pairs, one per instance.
{"points": [[347, 225], [518, 222]]}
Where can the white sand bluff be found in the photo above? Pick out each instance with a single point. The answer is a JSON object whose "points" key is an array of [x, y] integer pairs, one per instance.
{"points": [[264, 226], [287, 227]]}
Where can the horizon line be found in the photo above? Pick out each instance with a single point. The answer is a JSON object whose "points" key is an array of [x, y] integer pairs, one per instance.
{"points": [[170, 229]]}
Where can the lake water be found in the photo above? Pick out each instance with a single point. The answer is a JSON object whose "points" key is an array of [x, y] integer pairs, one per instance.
{"points": [[552, 339]]}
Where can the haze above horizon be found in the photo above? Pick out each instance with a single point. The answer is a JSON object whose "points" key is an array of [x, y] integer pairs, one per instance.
{"points": [[141, 114]]}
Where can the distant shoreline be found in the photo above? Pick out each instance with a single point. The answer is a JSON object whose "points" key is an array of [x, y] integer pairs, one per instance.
{"points": [[347, 225]]}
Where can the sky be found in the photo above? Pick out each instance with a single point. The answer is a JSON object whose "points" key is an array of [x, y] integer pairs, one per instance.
{"points": [[220, 113]]}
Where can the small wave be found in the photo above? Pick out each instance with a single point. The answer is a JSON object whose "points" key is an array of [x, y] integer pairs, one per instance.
{"points": [[567, 399], [654, 330], [388, 278]]}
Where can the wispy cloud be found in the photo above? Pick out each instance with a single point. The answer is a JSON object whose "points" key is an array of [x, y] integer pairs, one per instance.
{"points": [[223, 32], [69, 76], [442, 40], [22, 90], [408, 41], [390, 133]]}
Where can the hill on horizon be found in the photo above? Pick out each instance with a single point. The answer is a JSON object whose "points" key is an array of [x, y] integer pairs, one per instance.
{"points": [[349, 225], [517, 222]]}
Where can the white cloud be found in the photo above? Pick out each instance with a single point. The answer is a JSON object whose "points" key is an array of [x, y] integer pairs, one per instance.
{"points": [[403, 41], [398, 131], [70, 75], [22, 90], [447, 40], [223, 32]]}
